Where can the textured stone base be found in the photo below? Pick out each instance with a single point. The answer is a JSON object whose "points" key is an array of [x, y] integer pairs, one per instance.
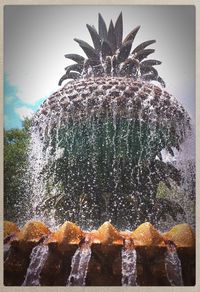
{"points": [[105, 265]]}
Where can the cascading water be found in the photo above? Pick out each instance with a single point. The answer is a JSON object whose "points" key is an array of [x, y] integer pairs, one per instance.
{"points": [[96, 144], [129, 269], [6, 251], [7, 245], [37, 259], [185, 162], [183, 194], [94, 159], [38, 182], [173, 267], [79, 266]]}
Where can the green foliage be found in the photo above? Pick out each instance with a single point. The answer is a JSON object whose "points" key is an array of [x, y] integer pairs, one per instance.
{"points": [[162, 191], [169, 201], [15, 158]]}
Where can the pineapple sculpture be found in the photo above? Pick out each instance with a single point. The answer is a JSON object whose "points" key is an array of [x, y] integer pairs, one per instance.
{"points": [[104, 131]]}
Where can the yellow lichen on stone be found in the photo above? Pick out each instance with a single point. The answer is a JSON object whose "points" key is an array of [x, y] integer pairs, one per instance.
{"points": [[68, 232], [9, 228], [182, 235], [33, 230], [108, 233], [146, 235]]}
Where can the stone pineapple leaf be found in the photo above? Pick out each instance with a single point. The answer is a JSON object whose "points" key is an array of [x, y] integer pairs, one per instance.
{"points": [[151, 74], [150, 63], [108, 65], [89, 51], [161, 81], [108, 42], [142, 46], [119, 30], [131, 35], [124, 51], [102, 28], [148, 70], [70, 75], [128, 65], [112, 37], [143, 54], [74, 67], [106, 49], [75, 57], [95, 38]]}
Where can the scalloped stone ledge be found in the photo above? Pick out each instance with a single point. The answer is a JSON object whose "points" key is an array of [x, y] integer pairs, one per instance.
{"points": [[106, 243]]}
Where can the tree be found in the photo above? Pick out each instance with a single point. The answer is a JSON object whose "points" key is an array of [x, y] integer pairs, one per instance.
{"points": [[15, 159]]}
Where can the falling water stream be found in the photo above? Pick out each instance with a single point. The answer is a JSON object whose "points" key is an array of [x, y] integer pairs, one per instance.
{"points": [[129, 269], [90, 170], [79, 267], [173, 268], [37, 259], [93, 158], [6, 251]]}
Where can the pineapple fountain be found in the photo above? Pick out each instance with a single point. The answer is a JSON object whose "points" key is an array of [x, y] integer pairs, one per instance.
{"points": [[97, 142], [96, 155]]}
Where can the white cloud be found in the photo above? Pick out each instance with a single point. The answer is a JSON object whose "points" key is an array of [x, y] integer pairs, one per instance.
{"points": [[29, 89], [24, 112]]}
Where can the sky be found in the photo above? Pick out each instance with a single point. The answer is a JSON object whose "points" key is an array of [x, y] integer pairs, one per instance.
{"points": [[36, 38]]}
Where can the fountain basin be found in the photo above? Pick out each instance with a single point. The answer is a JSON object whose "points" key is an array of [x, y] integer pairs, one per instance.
{"points": [[105, 265]]}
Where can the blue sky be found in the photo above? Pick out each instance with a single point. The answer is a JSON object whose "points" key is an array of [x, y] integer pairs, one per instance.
{"points": [[15, 109]]}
